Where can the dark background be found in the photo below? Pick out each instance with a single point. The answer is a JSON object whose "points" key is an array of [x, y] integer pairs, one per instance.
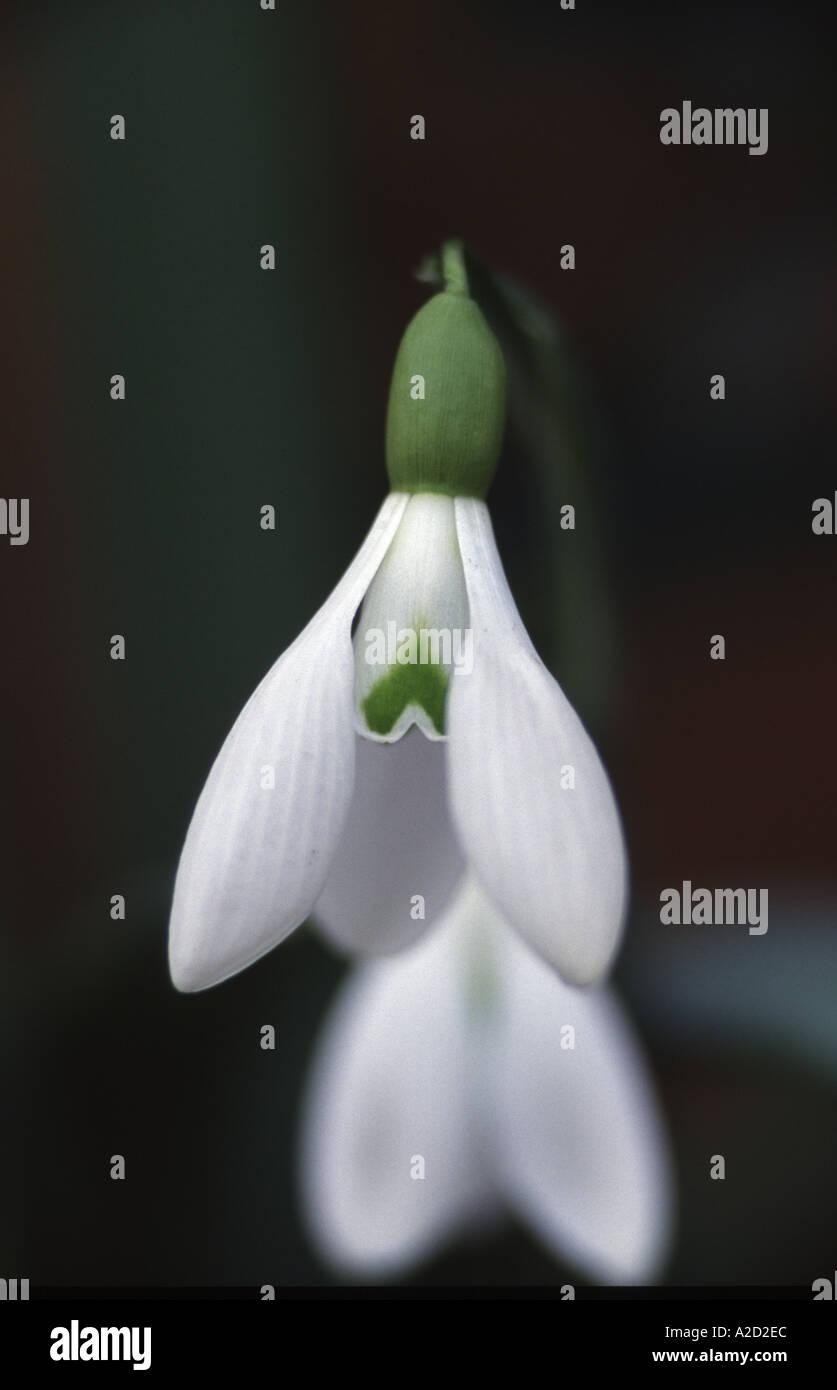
{"points": [[246, 387]]}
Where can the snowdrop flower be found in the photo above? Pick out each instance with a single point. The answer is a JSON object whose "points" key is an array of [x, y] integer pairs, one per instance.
{"points": [[317, 802], [463, 1075]]}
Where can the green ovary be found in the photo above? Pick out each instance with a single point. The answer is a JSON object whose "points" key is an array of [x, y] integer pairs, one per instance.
{"points": [[411, 684]]}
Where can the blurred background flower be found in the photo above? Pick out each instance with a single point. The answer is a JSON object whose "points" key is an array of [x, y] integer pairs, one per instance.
{"points": [[247, 387], [462, 1076]]}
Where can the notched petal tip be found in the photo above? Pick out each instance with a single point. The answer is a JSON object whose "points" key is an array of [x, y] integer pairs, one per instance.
{"points": [[412, 627]]}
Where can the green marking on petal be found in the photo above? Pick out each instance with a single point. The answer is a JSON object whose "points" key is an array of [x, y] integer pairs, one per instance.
{"points": [[411, 684]]}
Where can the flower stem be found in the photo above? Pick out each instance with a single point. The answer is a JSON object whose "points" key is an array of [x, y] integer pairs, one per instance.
{"points": [[453, 268]]}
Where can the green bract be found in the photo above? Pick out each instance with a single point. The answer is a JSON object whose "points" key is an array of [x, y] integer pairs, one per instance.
{"points": [[447, 402]]}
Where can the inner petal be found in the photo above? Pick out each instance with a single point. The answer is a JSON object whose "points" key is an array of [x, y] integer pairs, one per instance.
{"points": [[412, 633]]}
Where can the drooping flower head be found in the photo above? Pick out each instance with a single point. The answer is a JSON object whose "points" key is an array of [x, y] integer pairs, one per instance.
{"points": [[306, 809]]}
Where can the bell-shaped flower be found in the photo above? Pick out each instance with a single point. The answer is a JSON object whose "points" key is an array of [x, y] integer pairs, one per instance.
{"points": [[317, 802], [462, 1077]]}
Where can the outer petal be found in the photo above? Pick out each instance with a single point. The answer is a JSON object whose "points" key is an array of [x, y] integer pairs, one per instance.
{"points": [[256, 857], [389, 1085], [552, 859], [576, 1133], [398, 842]]}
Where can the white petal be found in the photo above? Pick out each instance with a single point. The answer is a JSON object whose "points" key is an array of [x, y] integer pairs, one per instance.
{"points": [[419, 589], [577, 1135], [389, 1085], [552, 858], [255, 857], [398, 844]]}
